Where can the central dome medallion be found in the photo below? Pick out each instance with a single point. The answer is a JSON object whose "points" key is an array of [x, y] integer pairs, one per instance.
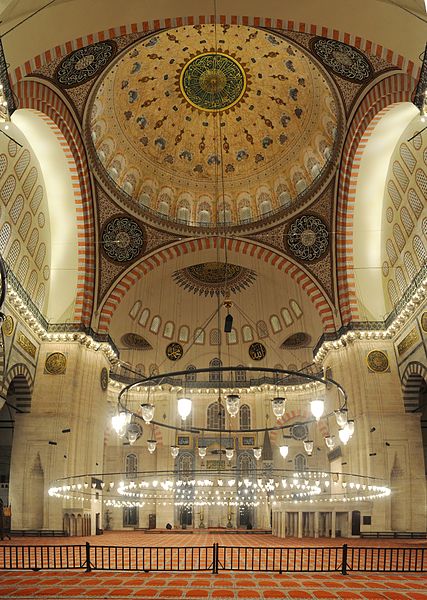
{"points": [[214, 126], [213, 81]]}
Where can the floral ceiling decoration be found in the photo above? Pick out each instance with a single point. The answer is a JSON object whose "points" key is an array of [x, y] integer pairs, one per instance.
{"points": [[208, 127], [214, 278], [85, 63], [307, 238], [344, 60], [123, 239]]}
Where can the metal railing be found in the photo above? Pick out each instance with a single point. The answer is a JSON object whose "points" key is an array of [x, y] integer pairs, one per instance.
{"points": [[215, 558]]}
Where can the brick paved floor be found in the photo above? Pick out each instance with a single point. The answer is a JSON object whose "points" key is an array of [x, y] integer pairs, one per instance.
{"points": [[60, 585]]}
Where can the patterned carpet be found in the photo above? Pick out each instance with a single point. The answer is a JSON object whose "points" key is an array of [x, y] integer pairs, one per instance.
{"points": [[203, 585]]}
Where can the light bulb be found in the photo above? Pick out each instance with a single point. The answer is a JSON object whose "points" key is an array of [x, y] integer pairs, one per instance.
{"points": [[202, 451], [284, 451], [118, 422], [350, 426], [308, 446], [184, 407], [341, 416], [174, 451], [344, 435], [317, 408], [151, 445], [229, 453], [330, 441], [147, 412], [257, 452], [278, 406]]}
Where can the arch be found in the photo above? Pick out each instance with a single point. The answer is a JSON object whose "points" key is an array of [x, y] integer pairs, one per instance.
{"points": [[57, 117], [379, 100], [245, 417], [300, 462], [153, 25], [21, 372], [294, 414], [131, 465], [215, 416], [316, 295], [414, 376]]}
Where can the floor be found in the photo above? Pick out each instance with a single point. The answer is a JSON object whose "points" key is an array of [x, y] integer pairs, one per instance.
{"points": [[203, 585]]}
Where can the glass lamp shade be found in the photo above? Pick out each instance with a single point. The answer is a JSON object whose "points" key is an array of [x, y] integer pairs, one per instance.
{"points": [[341, 416], [202, 451], [147, 412], [174, 451], [284, 451], [118, 422], [184, 407], [229, 453], [317, 408], [257, 452], [151, 445], [344, 435], [278, 406], [330, 441], [350, 426], [308, 446], [232, 402], [133, 432]]}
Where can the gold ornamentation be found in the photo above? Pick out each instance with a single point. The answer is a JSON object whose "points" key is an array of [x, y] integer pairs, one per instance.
{"points": [[104, 378], [26, 344], [174, 351], [378, 361], [8, 326], [56, 363], [408, 341], [257, 351], [424, 321]]}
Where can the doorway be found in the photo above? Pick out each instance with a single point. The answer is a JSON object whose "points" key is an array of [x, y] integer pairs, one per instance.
{"points": [[355, 522]]}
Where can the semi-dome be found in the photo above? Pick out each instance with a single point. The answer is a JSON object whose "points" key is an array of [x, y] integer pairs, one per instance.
{"points": [[209, 126]]}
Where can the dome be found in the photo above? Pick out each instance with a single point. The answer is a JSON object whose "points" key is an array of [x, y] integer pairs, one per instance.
{"points": [[214, 127]]}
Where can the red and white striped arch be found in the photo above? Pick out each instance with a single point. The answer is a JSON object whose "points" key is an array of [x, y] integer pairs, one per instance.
{"points": [[154, 25], [317, 296], [380, 99], [35, 95], [295, 415]]}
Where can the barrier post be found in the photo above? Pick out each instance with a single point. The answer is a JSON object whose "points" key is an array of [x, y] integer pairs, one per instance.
{"points": [[344, 560], [88, 563]]}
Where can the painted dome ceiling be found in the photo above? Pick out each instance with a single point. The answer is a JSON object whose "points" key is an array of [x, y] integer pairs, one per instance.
{"points": [[210, 126]]}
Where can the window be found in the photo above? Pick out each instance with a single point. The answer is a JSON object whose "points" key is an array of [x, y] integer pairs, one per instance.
{"points": [[184, 334], [135, 309], [216, 375], [295, 308], [420, 250], [240, 374], [130, 516], [216, 416], [13, 254], [275, 324], [143, 319], [245, 417], [168, 330], [190, 375], [247, 333], [262, 330], [185, 465], [17, 206], [401, 281], [131, 466], [246, 465], [410, 265], [215, 337], [199, 336], [4, 237], [398, 236], [300, 462], [286, 316], [155, 324], [232, 337]]}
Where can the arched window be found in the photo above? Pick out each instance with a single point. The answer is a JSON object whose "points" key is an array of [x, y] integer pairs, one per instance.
{"points": [[407, 221], [17, 206], [184, 334], [145, 315], [398, 236], [401, 281], [4, 237], [296, 309], [419, 250], [410, 267], [40, 296], [240, 374], [215, 337], [133, 313], [23, 269], [286, 316], [25, 225], [183, 214], [245, 465], [245, 213], [185, 465], [232, 337], [262, 330], [190, 375], [32, 282], [216, 416], [392, 292], [199, 336], [168, 330], [131, 466], [300, 462], [391, 251], [247, 333], [155, 324], [275, 324], [245, 417], [216, 375], [12, 255]]}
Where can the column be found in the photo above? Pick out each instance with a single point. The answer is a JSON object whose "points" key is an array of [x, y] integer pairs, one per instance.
{"points": [[349, 524], [334, 523], [283, 529], [300, 533], [316, 524]]}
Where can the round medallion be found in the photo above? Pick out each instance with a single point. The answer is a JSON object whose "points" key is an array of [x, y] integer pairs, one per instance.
{"points": [[174, 351], [342, 59], [123, 239], [308, 238], [56, 363], [378, 361], [213, 81], [103, 378], [8, 326], [257, 351], [299, 431], [424, 321], [85, 63]]}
